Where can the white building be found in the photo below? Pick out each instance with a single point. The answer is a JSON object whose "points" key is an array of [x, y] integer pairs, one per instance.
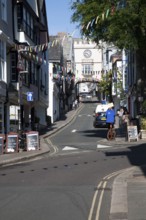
{"points": [[88, 65]]}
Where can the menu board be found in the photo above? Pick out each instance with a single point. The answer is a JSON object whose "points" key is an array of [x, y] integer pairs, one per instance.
{"points": [[32, 140], [12, 143], [132, 133]]}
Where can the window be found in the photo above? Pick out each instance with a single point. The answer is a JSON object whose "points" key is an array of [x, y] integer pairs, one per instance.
{"points": [[25, 21], [87, 69], [19, 17], [33, 74], [3, 11], [14, 76], [27, 67], [2, 59]]}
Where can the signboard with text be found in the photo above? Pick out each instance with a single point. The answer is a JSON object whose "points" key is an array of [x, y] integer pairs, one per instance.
{"points": [[32, 140], [12, 142], [132, 133]]}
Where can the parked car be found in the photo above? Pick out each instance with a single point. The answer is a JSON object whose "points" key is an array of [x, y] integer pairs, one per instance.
{"points": [[85, 97], [99, 119]]}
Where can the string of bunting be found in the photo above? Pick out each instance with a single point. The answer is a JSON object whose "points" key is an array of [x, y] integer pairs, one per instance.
{"points": [[59, 77], [103, 16], [42, 47], [30, 52]]}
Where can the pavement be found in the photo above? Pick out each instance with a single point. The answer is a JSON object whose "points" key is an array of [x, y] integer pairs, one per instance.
{"points": [[128, 200]]}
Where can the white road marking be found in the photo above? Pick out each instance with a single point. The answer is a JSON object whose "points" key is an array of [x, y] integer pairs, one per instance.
{"points": [[102, 146], [73, 130], [69, 148]]}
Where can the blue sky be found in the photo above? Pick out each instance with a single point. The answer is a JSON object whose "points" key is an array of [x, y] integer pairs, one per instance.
{"points": [[59, 17]]}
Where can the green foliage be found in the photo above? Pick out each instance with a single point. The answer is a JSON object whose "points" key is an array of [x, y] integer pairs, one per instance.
{"points": [[106, 82], [144, 107], [143, 123], [121, 22]]}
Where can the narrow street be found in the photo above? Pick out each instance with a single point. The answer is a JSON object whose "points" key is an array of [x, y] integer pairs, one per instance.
{"points": [[72, 184]]}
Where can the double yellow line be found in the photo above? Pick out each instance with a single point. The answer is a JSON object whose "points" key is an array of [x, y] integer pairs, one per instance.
{"points": [[100, 187]]}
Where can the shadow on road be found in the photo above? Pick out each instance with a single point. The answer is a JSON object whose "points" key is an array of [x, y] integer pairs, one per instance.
{"points": [[101, 133], [135, 154]]}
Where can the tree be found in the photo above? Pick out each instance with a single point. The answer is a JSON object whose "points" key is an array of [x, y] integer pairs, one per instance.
{"points": [[121, 22], [105, 85]]}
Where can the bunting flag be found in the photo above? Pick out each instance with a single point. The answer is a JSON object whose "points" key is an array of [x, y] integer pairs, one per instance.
{"points": [[102, 17], [97, 18], [64, 78], [72, 34], [92, 22], [88, 25], [43, 47], [107, 13]]}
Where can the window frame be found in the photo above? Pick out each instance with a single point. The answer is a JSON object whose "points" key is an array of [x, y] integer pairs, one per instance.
{"points": [[87, 69]]}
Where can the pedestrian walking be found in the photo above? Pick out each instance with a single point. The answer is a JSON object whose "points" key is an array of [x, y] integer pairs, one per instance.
{"points": [[76, 104]]}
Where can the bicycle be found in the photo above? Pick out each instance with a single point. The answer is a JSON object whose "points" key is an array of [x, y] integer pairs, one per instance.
{"points": [[111, 134]]}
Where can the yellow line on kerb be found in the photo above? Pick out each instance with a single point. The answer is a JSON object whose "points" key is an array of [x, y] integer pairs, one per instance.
{"points": [[93, 201], [100, 201], [104, 183]]}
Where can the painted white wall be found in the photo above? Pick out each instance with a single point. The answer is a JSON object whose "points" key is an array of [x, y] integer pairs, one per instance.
{"points": [[50, 107], [95, 59], [53, 109]]}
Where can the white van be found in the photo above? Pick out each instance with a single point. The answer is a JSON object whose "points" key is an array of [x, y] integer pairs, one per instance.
{"points": [[101, 108]]}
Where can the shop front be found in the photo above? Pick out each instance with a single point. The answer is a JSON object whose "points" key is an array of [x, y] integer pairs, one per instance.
{"points": [[3, 99]]}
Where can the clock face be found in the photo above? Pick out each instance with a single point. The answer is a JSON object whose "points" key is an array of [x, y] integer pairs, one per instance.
{"points": [[87, 53]]}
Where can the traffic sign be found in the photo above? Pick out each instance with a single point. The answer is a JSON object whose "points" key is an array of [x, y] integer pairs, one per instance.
{"points": [[29, 96]]}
